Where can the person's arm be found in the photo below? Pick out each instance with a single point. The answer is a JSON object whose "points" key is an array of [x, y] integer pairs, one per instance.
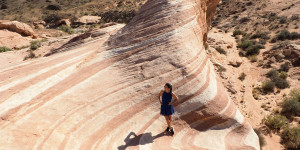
{"points": [[159, 95], [175, 98]]}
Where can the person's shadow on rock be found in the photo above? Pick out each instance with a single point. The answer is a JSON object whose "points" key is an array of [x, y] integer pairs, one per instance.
{"points": [[138, 140]]}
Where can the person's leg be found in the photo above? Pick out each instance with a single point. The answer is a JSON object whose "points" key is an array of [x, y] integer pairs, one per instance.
{"points": [[168, 122]]}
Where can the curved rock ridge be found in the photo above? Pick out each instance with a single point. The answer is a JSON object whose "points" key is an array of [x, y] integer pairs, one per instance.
{"points": [[104, 95]]}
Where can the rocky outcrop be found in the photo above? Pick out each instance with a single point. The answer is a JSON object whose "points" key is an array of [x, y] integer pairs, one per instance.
{"points": [[88, 20], [105, 95], [13, 40], [63, 22], [18, 27]]}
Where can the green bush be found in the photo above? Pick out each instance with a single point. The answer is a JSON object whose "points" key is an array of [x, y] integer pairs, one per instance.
{"points": [[260, 35], [285, 35], [294, 17], [242, 76], [35, 45], [283, 75], [30, 55], [284, 67], [268, 86], [221, 50], [262, 141], [4, 49], [253, 58], [291, 138], [275, 121], [66, 29], [280, 82], [272, 73], [238, 32], [250, 46], [291, 104]]}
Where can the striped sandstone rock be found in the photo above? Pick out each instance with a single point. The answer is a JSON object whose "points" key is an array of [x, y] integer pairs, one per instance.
{"points": [[103, 95]]}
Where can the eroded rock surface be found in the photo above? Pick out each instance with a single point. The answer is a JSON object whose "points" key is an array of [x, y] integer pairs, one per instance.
{"points": [[103, 95]]}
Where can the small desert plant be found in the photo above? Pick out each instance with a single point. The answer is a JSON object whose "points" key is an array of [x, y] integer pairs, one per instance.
{"points": [[30, 55], [66, 29], [268, 86], [291, 137], [272, 73], [242, 76], [284, 67], [291, 103], [253, 58], [221, 50], [238, 32], [260, 35], [283, 75], [280, 82], [35, 45], [294, 17], [275, 121], [255, 93], [285, 35], [4, 49]]}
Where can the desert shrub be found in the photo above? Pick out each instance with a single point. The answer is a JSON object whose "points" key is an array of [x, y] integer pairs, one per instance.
{"points": [[238, 32], [272, 16], [35, 45], [253, 58], [291, 137], [221, 50], [242, 76], [250, 46], [30, 55], [285, 35], [283, 75], [294, 36], [244, 19], [66, 29], [294, 17], [272, 73], [280, 82], [284, 67], [291, 103], [260, 35], [253, 50], [255, 93], [4, 49], [262, 141], [268, 86], [283, 20], [275, 121]]}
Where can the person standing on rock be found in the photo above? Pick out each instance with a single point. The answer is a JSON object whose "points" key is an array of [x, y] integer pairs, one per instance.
{"points": [[167, 105]]}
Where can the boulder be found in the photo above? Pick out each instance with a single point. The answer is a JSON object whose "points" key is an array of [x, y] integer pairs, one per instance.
{"points": [[13, 40], [63, 22], [88, 20], [18, 27], [236, 62], [39, 24]]}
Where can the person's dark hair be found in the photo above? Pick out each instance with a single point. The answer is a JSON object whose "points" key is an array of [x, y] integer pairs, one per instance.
{"points": [[169, 86]]}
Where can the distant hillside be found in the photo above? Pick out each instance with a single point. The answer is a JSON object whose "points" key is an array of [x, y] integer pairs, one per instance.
{"points": [[52, 10]]}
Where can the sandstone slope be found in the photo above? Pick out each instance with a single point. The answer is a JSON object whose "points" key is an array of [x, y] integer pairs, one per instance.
{"points": [[103, 95]]}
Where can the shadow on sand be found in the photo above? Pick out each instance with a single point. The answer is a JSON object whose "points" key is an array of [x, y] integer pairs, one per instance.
{"points": [[136, 140]]}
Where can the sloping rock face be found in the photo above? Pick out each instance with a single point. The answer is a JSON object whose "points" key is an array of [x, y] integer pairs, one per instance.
{"points": [[104, 95], [18, 27]]}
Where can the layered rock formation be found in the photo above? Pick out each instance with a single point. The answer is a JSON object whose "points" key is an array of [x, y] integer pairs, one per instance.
{"points": [[104, 95]]}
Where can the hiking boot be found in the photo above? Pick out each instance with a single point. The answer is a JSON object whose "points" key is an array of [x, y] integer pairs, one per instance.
{"points": [[172, 130], [168, 129]]}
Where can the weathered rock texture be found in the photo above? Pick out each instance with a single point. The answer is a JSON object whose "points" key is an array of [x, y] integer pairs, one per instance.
{"points": [[109, 99], [18, 27]]}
